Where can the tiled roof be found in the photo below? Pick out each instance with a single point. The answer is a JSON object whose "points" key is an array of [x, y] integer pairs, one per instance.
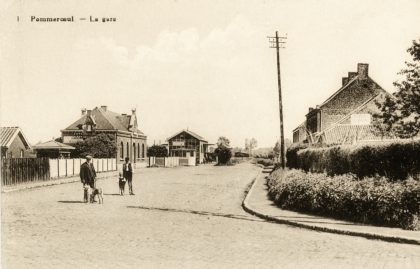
{"points": [[52, 145], [8, 134], [105, 120], [191, 133]]}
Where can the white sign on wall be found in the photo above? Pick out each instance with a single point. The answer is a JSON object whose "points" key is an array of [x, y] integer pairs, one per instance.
{"points": [[178, 143]]}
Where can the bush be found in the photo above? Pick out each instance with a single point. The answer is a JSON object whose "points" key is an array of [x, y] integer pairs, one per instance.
{"points": [[157, 151], [291, 155], [99, 146], [265, 162], [371, 200], [396, 161], [223, 154]]}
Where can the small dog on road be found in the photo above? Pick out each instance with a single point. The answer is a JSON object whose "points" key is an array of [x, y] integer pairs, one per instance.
{"points": [[97, 192]]}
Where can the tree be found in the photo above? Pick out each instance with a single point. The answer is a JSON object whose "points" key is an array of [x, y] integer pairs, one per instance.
{"points": [[157, 151], [99, 146], [252, 145], [223, 141], [400, 113], [277, 149], [223, 152]]}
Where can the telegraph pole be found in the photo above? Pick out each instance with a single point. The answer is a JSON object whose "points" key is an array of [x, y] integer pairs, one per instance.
{"points": [[277, 43]]}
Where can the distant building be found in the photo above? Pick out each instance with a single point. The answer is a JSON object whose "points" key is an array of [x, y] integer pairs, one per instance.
{"points": [[14, 143], [130, 141], [53, 149], [188, 144], [346, 116]]}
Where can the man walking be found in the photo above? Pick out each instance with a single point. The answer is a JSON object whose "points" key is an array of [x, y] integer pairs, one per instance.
{"points": [[87, 176], [128, 174]]}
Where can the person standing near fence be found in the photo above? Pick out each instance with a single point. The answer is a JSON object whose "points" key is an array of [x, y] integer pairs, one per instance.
{"points": [[87, 176], [128, 174]]}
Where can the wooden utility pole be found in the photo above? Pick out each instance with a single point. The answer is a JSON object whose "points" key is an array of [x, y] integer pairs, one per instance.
{"points": [[277, 43]]}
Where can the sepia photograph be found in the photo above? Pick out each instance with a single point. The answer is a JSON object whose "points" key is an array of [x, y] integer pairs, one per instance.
{"points": [[210, 134]]}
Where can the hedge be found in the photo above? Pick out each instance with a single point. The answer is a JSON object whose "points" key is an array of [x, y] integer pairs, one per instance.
{"points": [[371, 200], [265, 162], [396, 161]]}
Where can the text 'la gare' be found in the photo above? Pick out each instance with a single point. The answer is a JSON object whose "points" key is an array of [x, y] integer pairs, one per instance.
{"points": [[103, 19]]}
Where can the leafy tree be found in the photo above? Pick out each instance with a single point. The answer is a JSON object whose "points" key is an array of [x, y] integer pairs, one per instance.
{"points": [[223, 141], [400, 113], [223, 151], [99, 146], [157, 151], [223, 154]]}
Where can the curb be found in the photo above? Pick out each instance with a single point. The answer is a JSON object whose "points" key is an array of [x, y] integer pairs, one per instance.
{"points": [[248, 209], [53, 183]]}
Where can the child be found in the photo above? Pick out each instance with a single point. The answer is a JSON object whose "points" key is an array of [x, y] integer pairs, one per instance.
{"points": [[121, 182]]}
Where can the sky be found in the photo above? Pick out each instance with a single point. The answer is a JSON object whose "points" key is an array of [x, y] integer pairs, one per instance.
{"points": [[205, 66]]}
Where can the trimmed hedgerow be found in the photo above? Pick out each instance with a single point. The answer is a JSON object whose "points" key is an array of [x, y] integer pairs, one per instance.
{"points": [[291, 154], [395, 161], [371, 200], [265, 162]]}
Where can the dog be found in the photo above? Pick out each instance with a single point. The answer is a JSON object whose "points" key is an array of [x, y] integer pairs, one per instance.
{"points": [[121, 183], [97, 192]]}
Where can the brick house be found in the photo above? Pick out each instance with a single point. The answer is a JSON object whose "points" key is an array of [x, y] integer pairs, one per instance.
{"points": [[14, 143], [346, 116], [130, 141]]}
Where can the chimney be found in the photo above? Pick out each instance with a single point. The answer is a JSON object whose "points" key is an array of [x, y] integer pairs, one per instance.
{"points": [[104, 108], [133, 111], [344, 80], [352, 75], [89, 112], [310, 109], [83, 111], [362, 70]]}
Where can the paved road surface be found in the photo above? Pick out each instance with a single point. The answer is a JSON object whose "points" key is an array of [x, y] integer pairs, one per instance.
{"points": [[187, 217]]}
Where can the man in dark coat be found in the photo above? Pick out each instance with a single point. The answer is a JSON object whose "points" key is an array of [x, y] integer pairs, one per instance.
{"points": [[128, 174], [87, 177]]}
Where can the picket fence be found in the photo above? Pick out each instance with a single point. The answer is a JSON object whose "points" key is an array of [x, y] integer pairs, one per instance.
{"points": [[23, 170], [20, 170], [172, 161]]}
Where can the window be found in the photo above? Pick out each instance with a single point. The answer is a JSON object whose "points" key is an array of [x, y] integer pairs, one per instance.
{"points": [[138, 150], [128, 151], [142, 151], [122, 150], [134, 150], [21, 153]]}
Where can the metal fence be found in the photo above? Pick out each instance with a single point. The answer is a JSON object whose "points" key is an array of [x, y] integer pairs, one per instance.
{"points": [[21, 170]]}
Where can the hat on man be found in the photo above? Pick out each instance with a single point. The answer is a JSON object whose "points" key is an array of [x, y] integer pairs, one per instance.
{"points": [[88, 157]]}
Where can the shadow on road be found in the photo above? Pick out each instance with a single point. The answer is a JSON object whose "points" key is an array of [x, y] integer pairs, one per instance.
{"points": [[113, 194], [204, 213], [71, 202]]}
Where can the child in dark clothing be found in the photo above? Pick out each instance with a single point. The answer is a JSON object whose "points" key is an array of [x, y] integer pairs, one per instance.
{"points": [[121, 182]]}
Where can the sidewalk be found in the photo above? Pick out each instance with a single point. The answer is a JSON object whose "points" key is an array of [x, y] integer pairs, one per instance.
{"points": [[38, 184], [257, 202]]}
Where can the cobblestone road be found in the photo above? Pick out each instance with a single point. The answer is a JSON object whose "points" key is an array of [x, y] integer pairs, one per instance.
{"points": [[187, 217]]}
